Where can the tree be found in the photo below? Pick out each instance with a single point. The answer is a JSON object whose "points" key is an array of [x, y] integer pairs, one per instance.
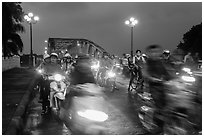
{"points": [[12, 17], [192, 40]]}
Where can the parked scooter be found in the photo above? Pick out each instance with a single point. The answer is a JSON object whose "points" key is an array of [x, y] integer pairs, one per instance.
{"points": [[85, 110]]}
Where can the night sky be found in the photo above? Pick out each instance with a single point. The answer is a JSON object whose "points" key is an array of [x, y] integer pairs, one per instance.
{"points": [[160, 23]]}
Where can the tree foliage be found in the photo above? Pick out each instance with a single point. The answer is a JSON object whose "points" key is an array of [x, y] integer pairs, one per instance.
{"points": [[192, 40], [12, 17]]}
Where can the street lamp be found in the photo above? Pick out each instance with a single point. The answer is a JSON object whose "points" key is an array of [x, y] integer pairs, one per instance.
{"points": [[131, 23], [31, 19]]}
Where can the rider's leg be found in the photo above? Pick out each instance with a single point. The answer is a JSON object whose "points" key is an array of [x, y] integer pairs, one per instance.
{"points": [[158, 95], [51, 98], [131, 79]]}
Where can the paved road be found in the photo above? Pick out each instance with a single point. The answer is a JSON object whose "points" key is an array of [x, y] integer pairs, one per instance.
{"points": [[122, 118]]}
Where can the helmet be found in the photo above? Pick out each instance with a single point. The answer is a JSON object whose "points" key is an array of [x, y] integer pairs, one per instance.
{"points": [[46, 56], [67, 55], [166, 52], [128, 55], [54, 54]]}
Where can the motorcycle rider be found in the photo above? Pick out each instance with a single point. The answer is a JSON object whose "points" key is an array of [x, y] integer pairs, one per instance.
{"points": [[67, 63], [139, 61], [82, 71], [156, 74], [105, 65], [188, 60], [41, 68], [125, 65], [52, 68]]}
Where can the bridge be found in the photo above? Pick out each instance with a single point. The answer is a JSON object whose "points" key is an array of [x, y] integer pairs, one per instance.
{"points": [[75, 46]]}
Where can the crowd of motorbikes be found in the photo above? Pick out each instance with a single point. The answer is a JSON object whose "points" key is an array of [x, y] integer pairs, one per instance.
{"points": [[84, 108]]}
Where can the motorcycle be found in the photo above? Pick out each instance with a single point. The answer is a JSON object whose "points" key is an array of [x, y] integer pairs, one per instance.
{"points": [[110, 80], [58, 90], [176, 114], [107, 78], [85, 110], [118, 68], [136, 86]]}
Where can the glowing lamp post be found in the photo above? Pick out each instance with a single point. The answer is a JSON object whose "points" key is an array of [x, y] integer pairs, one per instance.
{"points": [[131, 23], [31, 19]]}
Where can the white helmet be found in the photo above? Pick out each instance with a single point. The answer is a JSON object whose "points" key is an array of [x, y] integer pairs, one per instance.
{"points": [[54, 54], [166, 51], [46, 56], [67, 55]]}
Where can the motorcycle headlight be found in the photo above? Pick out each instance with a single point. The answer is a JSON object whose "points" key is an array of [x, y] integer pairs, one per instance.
{"points": [[111, 74], [188, 78], [58, 77], [40, 71], [93, 115], [188, 70]]}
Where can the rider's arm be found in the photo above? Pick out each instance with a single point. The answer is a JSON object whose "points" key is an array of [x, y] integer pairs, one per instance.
{"points": [[185, 58], [143, 60]]}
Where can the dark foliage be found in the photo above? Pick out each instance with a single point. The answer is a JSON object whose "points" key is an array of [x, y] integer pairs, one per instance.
{"points": [[12, 16], [192, 40]]}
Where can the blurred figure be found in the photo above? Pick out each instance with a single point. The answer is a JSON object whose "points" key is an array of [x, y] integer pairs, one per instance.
{"points": [[84, 100], [196, 59], [82, 71], [156, 74], [40, 69], [168, 62], [188, 60], [125, 65], [105, 64], [67, 63], [166, 54]]}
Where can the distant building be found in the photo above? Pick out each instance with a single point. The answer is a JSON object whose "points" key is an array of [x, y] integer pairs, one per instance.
{"points": [[74, 46]]}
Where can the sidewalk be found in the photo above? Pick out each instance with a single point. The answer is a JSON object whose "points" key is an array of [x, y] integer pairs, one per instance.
{"points": [[17, 84]]}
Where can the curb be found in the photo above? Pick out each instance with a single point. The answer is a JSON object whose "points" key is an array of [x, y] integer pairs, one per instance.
{"points": [[16, 125]]}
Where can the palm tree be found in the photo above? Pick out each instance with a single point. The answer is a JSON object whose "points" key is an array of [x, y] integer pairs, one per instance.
{"points": [[12, 16]]}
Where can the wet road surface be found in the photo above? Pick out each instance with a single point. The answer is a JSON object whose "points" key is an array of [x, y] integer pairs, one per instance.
{"points": [[122, 120]]}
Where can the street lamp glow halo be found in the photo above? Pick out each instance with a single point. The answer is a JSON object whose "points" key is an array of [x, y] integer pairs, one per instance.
{"points": [[135, 21], [132, 19], [26, 17], [30, 14], [36, 18], [127, 22]]}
